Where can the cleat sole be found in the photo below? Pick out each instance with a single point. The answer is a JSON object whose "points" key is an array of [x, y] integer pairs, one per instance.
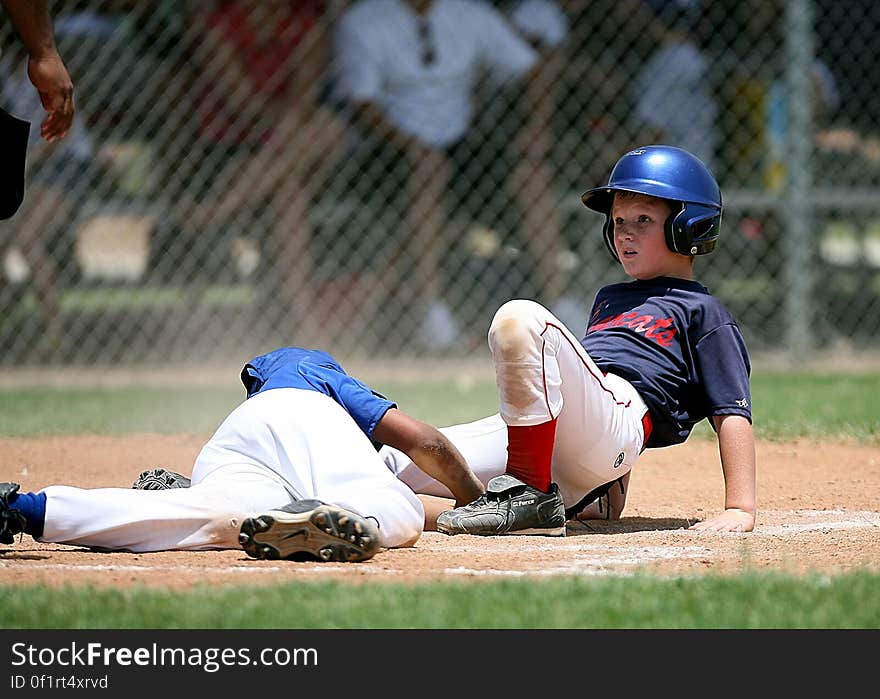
{"points": [[325, 533]]}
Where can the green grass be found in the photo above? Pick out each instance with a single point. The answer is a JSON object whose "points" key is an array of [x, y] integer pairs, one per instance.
{"points": [[120, 410], [752, 600], [37, 412], [786, 406]]}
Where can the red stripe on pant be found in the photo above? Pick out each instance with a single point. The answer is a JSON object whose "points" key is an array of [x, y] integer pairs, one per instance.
{"points": [[648, 427]]}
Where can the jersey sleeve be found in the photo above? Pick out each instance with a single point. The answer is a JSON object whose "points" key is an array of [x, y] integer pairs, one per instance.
{"points": [[724, 368], [315, 370], [365, 405]]}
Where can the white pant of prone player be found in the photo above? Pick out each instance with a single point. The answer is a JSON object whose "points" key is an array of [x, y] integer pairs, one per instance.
{"points": [[543, 372], [282, 444]]}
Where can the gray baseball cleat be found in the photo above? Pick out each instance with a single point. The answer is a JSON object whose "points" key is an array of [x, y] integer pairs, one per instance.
{"points": [[12, 521], [508, 506], [310, 529]]}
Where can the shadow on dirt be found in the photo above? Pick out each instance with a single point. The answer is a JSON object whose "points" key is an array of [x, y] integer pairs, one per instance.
{"points": [[627, 525], [19, 555]]}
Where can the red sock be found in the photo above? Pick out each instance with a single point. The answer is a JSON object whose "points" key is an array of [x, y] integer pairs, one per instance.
{"points": [[530, 453]]}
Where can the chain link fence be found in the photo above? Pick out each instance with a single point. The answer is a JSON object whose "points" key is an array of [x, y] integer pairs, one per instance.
{"points": [[239, 177]]}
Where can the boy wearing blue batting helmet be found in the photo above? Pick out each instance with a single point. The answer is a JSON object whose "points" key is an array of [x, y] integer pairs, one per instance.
{"points": [[660, 354]]}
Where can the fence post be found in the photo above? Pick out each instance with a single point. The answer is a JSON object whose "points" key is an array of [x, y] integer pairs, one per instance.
{"points": [[797, 209]]}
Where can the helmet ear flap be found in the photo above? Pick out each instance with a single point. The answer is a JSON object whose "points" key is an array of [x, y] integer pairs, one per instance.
{"points": [[676, 235], [608, 235], [693, 230]]}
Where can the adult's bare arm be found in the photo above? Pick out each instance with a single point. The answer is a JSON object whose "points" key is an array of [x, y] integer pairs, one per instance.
{"points": [[46, 69]]}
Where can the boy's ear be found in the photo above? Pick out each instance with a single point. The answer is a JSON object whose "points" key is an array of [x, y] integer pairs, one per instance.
{"points": [[14, 134]]}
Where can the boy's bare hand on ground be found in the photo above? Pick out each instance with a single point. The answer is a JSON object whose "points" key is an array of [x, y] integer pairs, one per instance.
{"points": [[732, 520]]}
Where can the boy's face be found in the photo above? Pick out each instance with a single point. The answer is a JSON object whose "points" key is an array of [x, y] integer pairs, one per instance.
{"points": [[640, 240]]}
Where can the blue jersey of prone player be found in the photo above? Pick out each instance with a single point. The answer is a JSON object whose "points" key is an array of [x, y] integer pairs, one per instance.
{"points": [[315, 370]]}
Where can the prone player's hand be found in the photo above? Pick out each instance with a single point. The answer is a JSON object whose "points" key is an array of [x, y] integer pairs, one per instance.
{"points": [[731, 520]]}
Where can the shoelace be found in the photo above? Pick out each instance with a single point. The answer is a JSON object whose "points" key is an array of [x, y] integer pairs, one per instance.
{"points": [[476, 504]]}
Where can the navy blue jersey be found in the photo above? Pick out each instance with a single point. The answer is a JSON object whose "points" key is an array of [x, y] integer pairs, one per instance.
{"points": [[678, 346], [315, 370]]}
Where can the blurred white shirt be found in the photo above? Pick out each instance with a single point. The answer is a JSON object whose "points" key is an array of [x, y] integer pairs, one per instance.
{"points": [[541, 21], [381, 56], [671, 92]]}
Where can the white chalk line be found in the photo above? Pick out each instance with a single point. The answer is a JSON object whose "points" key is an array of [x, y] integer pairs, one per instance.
{"points": [[582, 564], [617, 560], [6, 564], [587, 559], [131, 568]]}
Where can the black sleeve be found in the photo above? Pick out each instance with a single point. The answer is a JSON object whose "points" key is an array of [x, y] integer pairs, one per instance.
{"points": [[723, 364]]}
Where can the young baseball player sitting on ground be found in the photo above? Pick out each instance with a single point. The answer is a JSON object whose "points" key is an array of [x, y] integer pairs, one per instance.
{"points": [[659, 355], [292, 472]]}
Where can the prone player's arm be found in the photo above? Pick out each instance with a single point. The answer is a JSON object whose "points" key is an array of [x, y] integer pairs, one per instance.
{"points": [[736, 445], [431, 451]]}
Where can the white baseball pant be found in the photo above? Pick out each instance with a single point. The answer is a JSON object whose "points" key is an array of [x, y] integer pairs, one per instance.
{"points": [[543, 372], [282, 444]]}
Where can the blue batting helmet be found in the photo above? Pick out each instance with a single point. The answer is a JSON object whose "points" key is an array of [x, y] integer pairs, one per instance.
{"points": [[668, 173]]}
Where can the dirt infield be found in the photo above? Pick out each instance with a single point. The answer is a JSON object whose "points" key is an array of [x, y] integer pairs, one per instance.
{"points": [[819, 512]]}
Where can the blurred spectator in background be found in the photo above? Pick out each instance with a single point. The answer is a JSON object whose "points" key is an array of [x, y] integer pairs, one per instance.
{"points": [[754, 90], [574, 113], [824, 103], [672, 93], [133, 82], [411, 72], [545, 26], [61, 169], [847, 42], [267, 141], [45, 68], [747, 68], [592, 92]]}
